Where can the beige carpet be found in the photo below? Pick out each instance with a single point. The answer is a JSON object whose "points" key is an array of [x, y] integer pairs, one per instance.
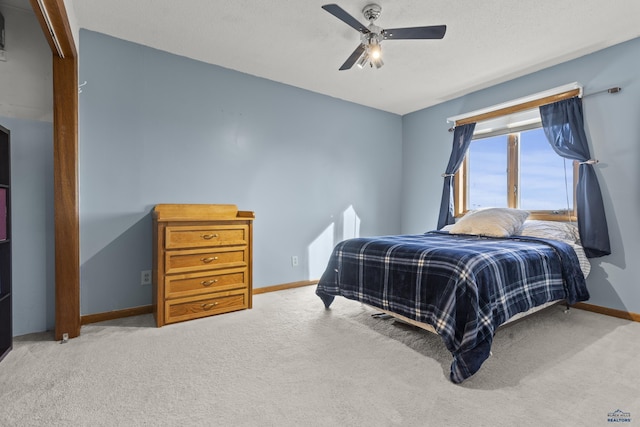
{"points": [[290, 362]]}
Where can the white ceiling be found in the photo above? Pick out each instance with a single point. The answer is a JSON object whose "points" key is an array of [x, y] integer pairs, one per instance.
{"points": [[298, 43]]}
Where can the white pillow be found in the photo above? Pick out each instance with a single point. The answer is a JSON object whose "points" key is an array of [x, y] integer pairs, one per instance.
{"points": [[556, 230], [495, 222]]}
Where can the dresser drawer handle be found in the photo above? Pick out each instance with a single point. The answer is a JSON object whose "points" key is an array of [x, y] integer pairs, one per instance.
{"points": [[208, 236], [207, 307], [208, 260], [208, 282]]}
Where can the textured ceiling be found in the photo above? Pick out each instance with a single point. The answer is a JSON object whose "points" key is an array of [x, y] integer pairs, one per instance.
{"points": [[297, 43]]}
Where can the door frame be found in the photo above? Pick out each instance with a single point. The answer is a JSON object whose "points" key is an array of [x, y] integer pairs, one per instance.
{"points": [[54, 21]]}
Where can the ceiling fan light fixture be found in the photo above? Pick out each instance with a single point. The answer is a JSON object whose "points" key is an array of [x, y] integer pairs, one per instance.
{"points": [[362, 61], [375, 51]]}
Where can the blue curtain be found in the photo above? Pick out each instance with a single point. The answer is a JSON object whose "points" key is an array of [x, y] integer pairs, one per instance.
{"points": [[461, 140], [563, 125]]}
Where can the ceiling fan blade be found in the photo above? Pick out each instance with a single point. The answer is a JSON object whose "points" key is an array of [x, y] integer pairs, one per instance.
{"points": [[431, 32], [342, 15], [353, 58]]}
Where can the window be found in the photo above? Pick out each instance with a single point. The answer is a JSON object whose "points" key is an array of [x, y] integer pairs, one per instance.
{"points": [[511, 164]]}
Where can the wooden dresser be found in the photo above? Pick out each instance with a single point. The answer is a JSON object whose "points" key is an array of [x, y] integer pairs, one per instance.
{"points": [[202, 261]]}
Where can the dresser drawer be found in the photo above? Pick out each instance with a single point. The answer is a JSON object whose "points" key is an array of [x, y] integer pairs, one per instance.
{"points": [[201, 283], [178, 237], [192, 308], [197, 259]]}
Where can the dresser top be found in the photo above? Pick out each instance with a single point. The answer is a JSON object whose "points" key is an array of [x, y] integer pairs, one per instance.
{"points": [[199, 212]]}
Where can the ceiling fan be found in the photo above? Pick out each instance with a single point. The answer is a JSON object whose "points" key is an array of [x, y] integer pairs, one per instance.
{"points": [[370, 37]]}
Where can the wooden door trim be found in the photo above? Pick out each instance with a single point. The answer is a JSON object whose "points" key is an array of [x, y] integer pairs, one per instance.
{"points": [[54, 21]]}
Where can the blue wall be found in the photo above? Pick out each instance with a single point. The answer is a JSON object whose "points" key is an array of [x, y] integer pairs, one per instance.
{"points": [[32, 237], [160, 128], [613, 129]]}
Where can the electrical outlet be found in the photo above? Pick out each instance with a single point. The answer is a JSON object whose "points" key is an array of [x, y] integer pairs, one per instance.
{"points": [[145, 277], [294, 261]]}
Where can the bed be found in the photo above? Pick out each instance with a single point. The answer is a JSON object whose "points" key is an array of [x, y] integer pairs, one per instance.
{"points": [[460, 284]]}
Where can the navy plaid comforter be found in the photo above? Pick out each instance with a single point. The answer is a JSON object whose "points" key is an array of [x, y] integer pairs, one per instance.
{"points": [[464, 286]]}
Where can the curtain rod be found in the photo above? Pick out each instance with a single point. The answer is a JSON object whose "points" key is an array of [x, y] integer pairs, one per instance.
{"points": [[530, 102], [614, 89]]}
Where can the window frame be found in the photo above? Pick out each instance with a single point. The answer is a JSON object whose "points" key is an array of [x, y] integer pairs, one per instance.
{"points": [[460, 196], [461, 185]]}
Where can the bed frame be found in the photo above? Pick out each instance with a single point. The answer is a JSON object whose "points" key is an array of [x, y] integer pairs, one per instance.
{"points": [[427, 327]]}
